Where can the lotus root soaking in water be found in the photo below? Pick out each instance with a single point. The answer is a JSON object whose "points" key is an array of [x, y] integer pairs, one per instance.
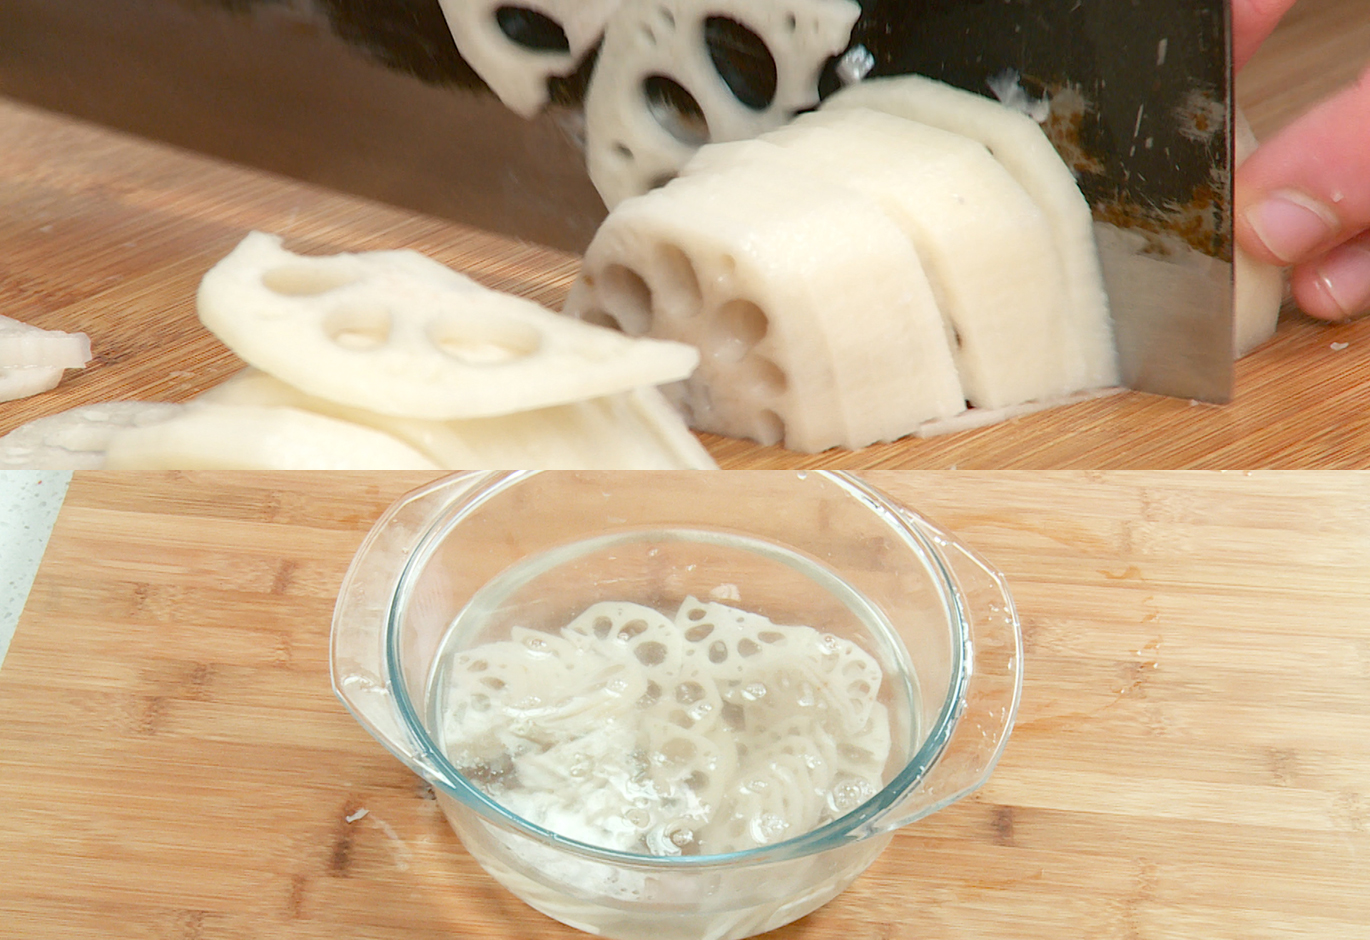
{"points": [[700, 731]]}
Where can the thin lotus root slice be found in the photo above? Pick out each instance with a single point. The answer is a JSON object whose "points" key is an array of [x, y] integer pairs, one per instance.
{"points": [[517, 47], [988, 250], [675, 74], [1020, 145], [586, 733], [22, 344], [781, 279], [244, 437], [77, 439], [635, 430], [397, 333]]}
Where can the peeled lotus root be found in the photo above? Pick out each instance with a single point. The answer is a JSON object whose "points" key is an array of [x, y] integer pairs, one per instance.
{"points": [[516, 48], [986, 248], [675, 74], [766, 270]]}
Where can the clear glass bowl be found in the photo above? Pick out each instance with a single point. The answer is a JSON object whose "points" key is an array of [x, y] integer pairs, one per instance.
{"points": [[468, 559]]}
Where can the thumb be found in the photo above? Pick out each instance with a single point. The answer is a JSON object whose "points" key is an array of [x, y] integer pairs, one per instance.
{"points": [[1307, 189], [1252, 22]]}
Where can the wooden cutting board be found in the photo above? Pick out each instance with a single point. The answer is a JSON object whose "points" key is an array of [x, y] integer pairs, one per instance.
{"points": [[109, 234], [1190, 758]]}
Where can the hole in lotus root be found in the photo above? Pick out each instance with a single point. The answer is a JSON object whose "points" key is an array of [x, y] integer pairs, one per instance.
{"points": [[306, 280], [718, 651], [679, 280], [738, 326], [678, 751], [742, 60], [602, 626], [598, 317], [626, 298], [651, 653], [631, 629], [687, 693], [532, 30], [358, 327], [762, 377], [770, 428], [479, 341], [676, 110], [748, 647], [697, 613], [700, 631]]}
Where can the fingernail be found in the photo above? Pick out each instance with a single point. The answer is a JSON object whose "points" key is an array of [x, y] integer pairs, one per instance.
{"points": [[1291, 224], [1345, 275]]}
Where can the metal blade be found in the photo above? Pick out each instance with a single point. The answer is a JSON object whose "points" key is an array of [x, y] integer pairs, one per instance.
{"points": [[371, 97]]}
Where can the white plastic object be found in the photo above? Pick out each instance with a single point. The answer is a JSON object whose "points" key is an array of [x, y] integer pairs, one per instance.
{"points": [[1021, 146], [1258, 288], [238, 437], [636, 137], [815, 321], [635, 430], [987, 249], [76, 439], [22, 344], [517, 71], [397, 333]]}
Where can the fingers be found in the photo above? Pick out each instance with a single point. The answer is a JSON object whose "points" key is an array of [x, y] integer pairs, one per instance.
{"points": [[1337, 285], [1252, 22], [1306, 191]]}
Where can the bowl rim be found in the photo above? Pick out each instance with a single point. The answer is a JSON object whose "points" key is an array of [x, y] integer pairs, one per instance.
{"points": [[860, 823]]}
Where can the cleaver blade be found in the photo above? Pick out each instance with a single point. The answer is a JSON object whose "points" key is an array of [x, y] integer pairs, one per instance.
{"points": [[371, 97]]}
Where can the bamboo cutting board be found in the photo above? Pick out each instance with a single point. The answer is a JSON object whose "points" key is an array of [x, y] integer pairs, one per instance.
{"points": [[1190, 758], [109, 234]]}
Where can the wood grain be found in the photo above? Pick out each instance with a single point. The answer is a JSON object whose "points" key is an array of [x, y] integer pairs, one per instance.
{"points": [[110, 234], [1190, 758]]}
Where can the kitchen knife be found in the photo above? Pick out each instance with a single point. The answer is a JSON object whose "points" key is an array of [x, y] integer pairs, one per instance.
{"points": [[372, 97]]}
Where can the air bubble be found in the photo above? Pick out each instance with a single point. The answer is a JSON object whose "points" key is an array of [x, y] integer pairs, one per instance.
{"points": [[538, 646], [767, 828], [754, 691], [848, 794]]}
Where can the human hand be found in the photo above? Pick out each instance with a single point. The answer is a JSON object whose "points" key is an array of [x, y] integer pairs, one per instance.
{"points": [[1303, 198]]}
